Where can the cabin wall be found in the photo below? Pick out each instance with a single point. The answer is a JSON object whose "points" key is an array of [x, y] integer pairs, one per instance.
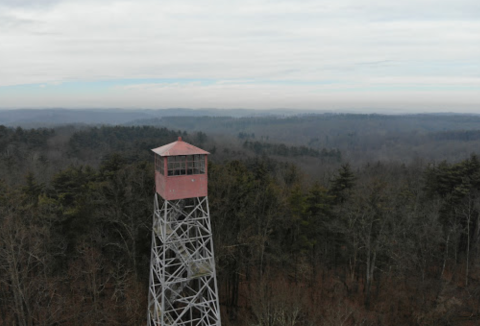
{"points": [[181, 186]]}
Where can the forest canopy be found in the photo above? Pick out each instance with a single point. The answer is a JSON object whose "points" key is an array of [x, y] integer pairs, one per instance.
{"points": [[304, 234]]}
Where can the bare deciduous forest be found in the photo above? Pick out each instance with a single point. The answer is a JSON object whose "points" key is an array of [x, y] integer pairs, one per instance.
{"points": [[317, 220]]}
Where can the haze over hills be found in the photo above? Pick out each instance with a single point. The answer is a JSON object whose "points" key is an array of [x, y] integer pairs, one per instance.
{"points": [[57, 116], [359, 138], [51, 117]]}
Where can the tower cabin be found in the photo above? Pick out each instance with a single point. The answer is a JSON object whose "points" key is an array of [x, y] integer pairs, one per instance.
{"points": [[180, 170]]}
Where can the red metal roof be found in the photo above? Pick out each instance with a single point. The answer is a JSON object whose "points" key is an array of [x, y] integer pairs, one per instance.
{"points": [[178, 147]]}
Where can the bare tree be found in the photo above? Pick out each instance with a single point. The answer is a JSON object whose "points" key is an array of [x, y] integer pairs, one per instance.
{"points": [[24, 262]]}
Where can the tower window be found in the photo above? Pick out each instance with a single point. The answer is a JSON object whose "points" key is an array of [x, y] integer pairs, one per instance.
{"points": [[159, 164], [186, 165]]}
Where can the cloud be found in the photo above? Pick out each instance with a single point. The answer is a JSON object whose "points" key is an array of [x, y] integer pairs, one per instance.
{"points": [[359, 44], [28, 3]]}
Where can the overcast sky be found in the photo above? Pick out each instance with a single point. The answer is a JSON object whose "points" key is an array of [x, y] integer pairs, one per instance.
{"points": [[371, 55]]}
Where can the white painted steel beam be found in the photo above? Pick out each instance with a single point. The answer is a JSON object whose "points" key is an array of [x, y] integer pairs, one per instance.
{"points": [[183, 287]]}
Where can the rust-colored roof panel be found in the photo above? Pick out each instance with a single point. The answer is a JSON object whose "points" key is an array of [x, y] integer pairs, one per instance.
{"points": [[178, 147]]}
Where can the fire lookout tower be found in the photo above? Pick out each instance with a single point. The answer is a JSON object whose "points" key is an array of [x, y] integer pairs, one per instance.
{"points": [[183, 287]]}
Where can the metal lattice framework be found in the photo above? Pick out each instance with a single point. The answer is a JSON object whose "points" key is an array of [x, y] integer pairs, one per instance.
{"points": [[183, 287]]}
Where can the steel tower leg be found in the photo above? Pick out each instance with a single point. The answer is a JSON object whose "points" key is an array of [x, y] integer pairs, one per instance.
{"points": [[183, 286]]}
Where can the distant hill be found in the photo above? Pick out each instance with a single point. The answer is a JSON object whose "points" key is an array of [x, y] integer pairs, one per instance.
{"points": [[52, 117]]}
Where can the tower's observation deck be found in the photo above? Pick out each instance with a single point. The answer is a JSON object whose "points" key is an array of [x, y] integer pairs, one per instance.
{"points": [[180, 170]]}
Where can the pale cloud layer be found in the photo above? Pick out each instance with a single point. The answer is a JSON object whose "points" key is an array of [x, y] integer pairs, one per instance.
{"points": [[418, 54]]}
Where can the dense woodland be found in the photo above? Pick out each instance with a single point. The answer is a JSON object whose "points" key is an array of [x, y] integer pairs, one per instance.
{"points": [[362, 138], [304, 233]]}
